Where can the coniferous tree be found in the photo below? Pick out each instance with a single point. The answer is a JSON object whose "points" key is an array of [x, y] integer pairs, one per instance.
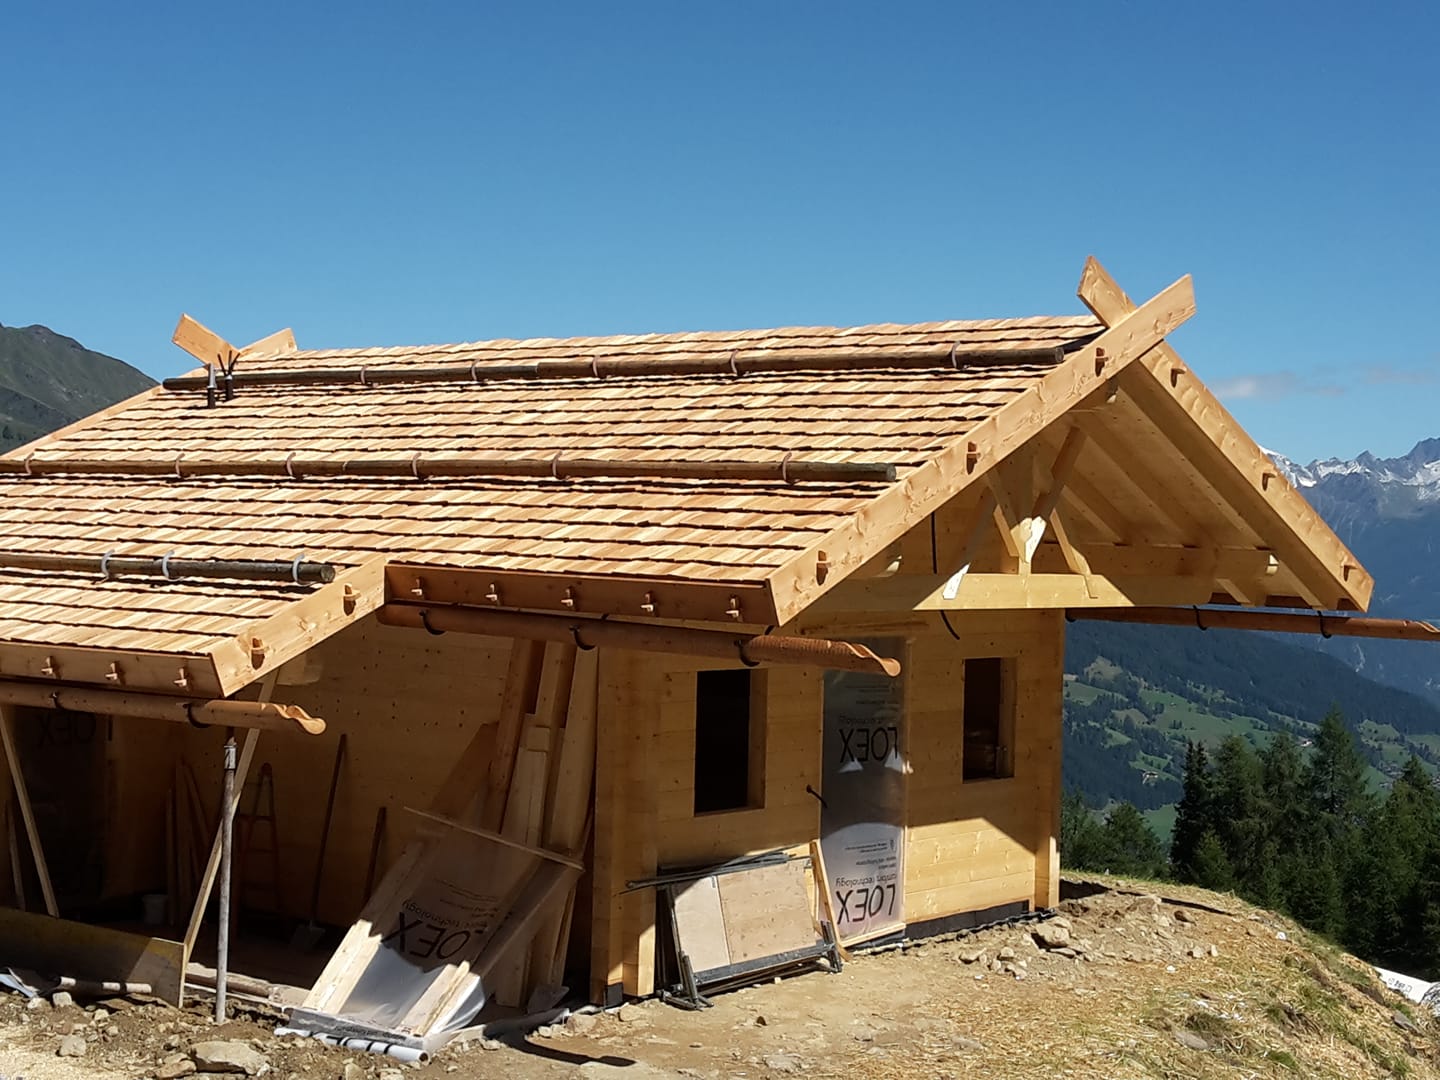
{"points": [[1193, 815], [1237, 810], [1082, 843], [1210, 866], [1131, 845]]}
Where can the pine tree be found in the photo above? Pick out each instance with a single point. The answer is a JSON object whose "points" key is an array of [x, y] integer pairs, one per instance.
{"points": [[1336, 777], [1210, 867], [1194, 813], [1238, 811], [1131, 845], [1082, 842]]}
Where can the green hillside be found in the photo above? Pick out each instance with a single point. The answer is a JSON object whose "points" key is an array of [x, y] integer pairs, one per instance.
{"points": [[48, 380], [1134, 696]]}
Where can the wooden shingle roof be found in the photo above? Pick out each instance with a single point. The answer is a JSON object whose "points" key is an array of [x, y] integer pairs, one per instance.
{"points": [[752, 551]]}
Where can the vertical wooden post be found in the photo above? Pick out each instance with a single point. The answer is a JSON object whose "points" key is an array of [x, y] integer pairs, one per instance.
{"points": [[212, 866], [22, 796], [1046, 675], [623, 933]]}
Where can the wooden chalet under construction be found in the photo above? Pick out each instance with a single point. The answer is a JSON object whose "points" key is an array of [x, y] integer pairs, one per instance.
{"points": [[525, 640]]}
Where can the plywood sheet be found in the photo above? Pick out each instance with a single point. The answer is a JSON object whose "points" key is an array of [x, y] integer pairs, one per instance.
{"points": [[767, 911], [81, 951], [701, 922]]}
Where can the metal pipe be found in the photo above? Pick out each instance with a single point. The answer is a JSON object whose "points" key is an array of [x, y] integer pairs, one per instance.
{"points": [[624, 364], [752, 649], [419, 467], [267, 716], [227, 828], [1366, 626], [295, 571]]}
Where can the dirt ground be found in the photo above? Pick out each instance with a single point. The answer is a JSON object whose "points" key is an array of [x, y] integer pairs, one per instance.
{"points": [[1125, 982]]}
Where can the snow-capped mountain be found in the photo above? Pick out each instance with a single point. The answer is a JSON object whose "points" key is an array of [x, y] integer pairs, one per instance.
{"points": [[1388, 511], [1418, 472]]}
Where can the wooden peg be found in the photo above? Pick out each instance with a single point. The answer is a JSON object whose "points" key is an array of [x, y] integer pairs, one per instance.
{"points": [[1100, 359], [257, 652], [348, 599], [822, 568], [972, 457]]}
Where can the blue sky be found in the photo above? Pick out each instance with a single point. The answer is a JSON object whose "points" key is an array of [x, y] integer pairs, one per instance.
{"points": [[390, 174]]}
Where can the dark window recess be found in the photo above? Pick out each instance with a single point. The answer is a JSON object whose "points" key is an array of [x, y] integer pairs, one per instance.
{"points": [[987, 720], [722, 741]]}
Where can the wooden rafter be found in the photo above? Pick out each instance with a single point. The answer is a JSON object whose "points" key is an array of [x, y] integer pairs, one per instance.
{"points": [[1204, 431], [272, 642], [966, 460], [209, 347]]}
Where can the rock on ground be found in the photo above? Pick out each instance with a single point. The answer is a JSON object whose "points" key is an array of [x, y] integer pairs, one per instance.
{"points": [[228, 1057]]}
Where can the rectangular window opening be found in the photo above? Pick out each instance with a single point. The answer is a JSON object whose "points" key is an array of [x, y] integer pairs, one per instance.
{"points": [[989, 718], [729, 741]]}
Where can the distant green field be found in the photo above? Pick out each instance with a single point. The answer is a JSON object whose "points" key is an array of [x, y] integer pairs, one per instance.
{"points": [[1184, 719], [1163, 822]]}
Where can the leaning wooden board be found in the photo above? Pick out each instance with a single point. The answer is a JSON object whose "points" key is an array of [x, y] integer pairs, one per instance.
{"points": [[61, 947]]}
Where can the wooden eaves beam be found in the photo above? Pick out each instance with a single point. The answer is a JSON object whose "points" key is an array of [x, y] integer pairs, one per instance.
{"points": [[740, 602], [1201, 427], [266, 716], [588, 633], [966, 460]]}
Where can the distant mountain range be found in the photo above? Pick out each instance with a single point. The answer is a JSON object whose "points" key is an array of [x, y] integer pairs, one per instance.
{"points": [[1388, 511], [1135, 694], [48, 380]]}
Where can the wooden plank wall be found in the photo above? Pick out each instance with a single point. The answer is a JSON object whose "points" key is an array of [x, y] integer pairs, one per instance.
{"points": [[409, 702], [789, 814], [975, 845]]}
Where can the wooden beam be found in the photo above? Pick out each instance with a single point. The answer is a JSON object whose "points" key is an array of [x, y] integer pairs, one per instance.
{"points": [[208, 347], [154, 671], [277, 344], [27, 812], [1203, 430], [521, 676], [965, 460], [1074, 558], [1049, 500], [741, 645], [300, 626], [1134, 560], [212, 865], [744, 602], [1003, 592], [201, 342], [289, 719]]}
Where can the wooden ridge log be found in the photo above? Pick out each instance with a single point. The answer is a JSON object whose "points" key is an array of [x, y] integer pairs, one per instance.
{"points": [[621, 365], [294, 571], [1326, 625], [641, 637], [265, 716], [419, 467]]}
